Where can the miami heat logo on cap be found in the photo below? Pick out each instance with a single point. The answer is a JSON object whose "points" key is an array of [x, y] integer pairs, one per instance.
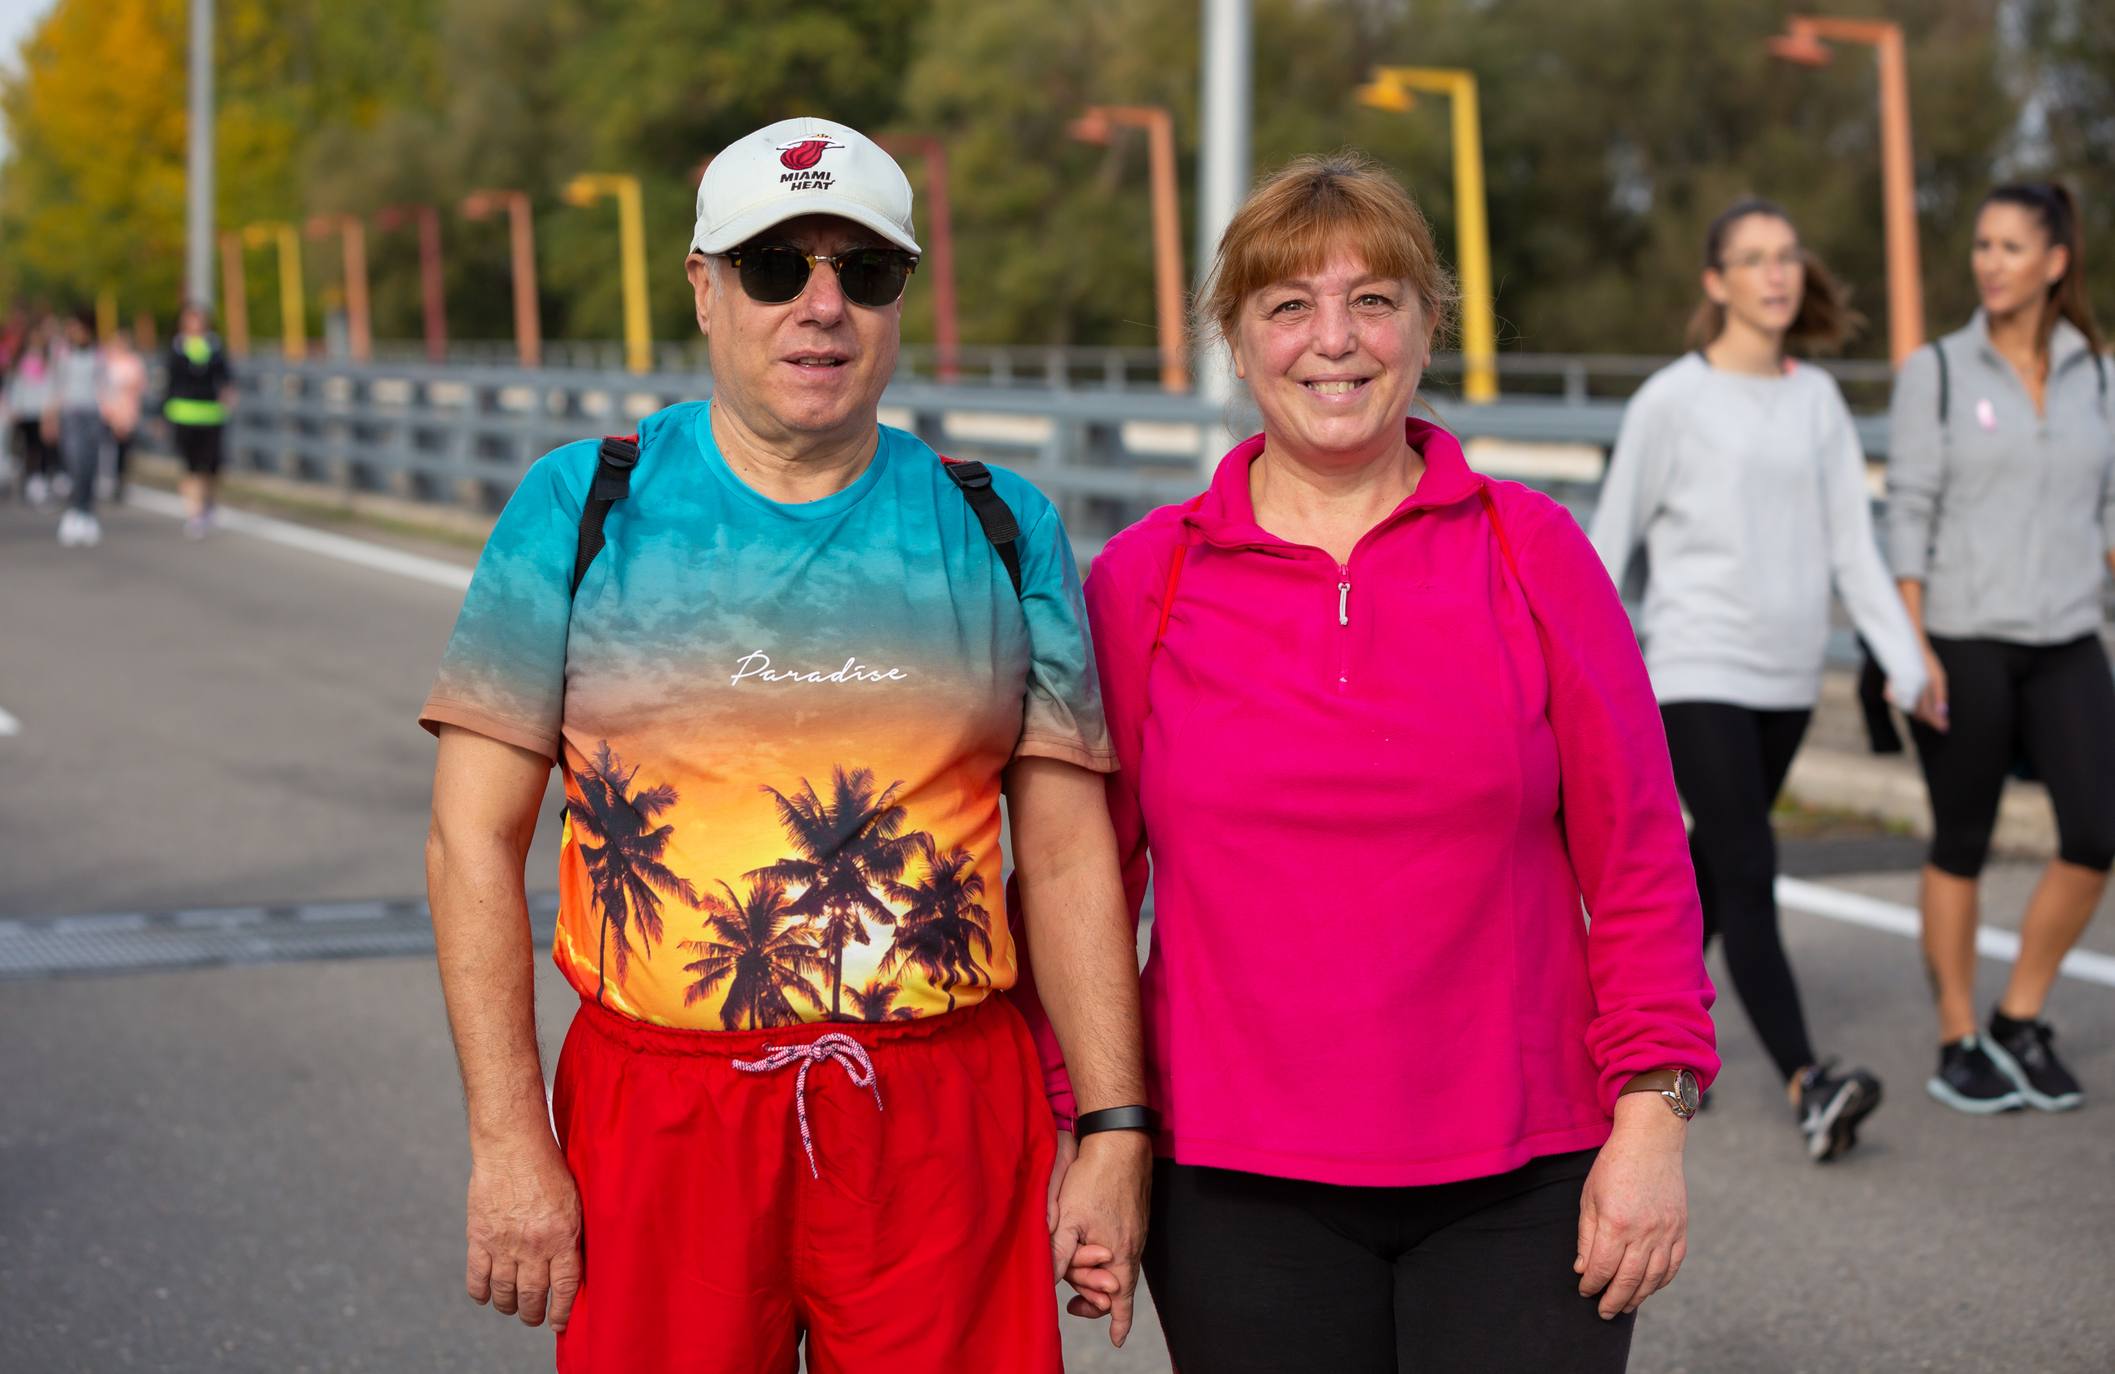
{"points": [[799, 157]]}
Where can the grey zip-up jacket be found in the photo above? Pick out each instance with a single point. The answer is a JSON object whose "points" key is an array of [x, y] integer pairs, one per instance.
{"points": [[2005, 516]]}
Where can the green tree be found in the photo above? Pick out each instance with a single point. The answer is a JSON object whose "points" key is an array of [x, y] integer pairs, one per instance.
{"points": [[847, 846], [763, 952]]}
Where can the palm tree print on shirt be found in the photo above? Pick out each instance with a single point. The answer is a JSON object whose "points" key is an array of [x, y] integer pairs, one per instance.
{"points": [[877, 1002], [845, 848], [623, 861], [761, 950], [942, 920]]}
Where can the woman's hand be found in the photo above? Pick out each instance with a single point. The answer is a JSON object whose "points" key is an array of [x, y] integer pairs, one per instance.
{"points": [[1931, 706], [1634, 1213]]}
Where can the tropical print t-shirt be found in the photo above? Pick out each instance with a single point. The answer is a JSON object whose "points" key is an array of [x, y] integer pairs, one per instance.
{"points": [[783, 727]]}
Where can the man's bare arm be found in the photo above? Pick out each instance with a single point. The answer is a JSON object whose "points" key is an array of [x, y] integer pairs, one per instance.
{"points": [[523, 1211], [1086, 970]]}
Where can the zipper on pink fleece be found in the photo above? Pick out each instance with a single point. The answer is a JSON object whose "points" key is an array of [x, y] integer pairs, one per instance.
{"points": [[1343, 626]]}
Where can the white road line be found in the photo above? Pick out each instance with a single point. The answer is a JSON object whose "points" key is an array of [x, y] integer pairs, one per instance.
{"points": [[9, 725], [1856, 909], [377, 556]]}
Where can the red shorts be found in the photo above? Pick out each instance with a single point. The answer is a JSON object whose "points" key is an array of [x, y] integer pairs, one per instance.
{"points": [[917, 1244]]}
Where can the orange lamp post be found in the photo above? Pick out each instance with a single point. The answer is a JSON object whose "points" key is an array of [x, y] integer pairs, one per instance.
{"points": [[1098, 125], [939, 242], [234, 296], [432, 296], [528, 318], [1805, 41], [358, 327]]}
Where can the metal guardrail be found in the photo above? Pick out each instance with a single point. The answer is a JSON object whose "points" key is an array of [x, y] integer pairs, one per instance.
{"points": [[1571, 377], [464, 435]]}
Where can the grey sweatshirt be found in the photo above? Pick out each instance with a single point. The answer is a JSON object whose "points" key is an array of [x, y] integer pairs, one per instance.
{"points": [[1750, 498], [2004, 515]]}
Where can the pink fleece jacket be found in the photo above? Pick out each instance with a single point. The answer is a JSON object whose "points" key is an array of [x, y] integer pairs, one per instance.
{"points": [[1374, 795]]}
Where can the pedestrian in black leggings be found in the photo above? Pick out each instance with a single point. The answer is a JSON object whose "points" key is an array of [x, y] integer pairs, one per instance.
{"points": [[1740, 473], [2001, 513]]}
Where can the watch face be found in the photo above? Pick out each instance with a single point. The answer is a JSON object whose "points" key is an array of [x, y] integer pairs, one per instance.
{"points": [[1686, 1089]]}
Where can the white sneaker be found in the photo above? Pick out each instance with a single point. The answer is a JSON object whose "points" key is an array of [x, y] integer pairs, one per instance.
{"points": [[88, 532], [36, 490], [195, 527], [70, 529]]}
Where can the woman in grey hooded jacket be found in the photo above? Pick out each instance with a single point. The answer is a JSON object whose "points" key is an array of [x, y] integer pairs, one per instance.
{"points": [[2001, 518]]}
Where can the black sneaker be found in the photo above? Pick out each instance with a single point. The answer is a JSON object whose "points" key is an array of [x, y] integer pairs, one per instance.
{"points": [[1968, 1081], [1830, 1107], [2027, 1056]]}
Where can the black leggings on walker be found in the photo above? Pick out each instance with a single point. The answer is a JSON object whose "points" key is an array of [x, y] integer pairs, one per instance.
{"points": [[1729, 765], [2054, 703]]}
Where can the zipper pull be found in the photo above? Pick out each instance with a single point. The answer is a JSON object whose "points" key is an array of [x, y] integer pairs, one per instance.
{"points": [[1343, 603]]}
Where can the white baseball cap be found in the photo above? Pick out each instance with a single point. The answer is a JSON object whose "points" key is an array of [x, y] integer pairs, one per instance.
{"points": [[801, 167]]}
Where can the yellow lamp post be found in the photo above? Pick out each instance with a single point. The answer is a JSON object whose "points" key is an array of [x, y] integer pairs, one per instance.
{"points": [[293, 326], [1393, 88], [631, 234]]}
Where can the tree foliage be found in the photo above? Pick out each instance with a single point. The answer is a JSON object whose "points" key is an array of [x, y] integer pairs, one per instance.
{"points": [[1613, 132]]}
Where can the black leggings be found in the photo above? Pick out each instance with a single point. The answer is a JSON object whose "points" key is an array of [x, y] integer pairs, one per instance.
{"points": [[1258, 1275], [1729, 765], [37, 458], [2053, 703]]}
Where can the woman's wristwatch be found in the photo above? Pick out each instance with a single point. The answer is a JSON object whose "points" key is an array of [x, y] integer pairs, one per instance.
{"points": [[1116, 1119], [1677, 1086]]}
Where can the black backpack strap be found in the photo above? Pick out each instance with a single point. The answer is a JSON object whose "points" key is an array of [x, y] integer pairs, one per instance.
{"points": [[993, 513], [1945, 382], [613, 482]]}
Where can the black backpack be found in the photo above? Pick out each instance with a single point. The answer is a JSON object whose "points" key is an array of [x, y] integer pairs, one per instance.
{"points": [[620, 454]]}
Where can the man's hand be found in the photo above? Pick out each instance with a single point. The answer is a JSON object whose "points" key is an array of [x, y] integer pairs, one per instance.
{"points": [[1634, 1213], [524, 1232], [1100, 1226]]}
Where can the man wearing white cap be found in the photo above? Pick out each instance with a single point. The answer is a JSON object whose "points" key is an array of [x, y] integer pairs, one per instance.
{"points": [[787, 660]]}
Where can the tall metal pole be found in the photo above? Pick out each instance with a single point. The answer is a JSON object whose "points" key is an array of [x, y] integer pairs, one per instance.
{"points": [[198, 217], [1223, 126], [1905, 285], [1803, 42], [1222, 171], [1167, 254], [235, 319]]}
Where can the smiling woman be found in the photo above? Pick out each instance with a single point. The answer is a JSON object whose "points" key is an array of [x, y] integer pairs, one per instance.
{"points": [[1347, 685]]}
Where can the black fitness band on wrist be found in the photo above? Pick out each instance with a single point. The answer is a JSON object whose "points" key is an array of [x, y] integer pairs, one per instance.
{"points": [[1117, 1119]]}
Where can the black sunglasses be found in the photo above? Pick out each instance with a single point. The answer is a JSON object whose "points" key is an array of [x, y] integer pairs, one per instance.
{"points": [[775, 274]]}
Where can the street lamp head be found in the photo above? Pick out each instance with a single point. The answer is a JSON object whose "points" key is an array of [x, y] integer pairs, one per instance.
{"points": [[1799, 45], [322, 226], [584, 189], [1092, 127], [1386, 93], [478, 204], [258, 235]]}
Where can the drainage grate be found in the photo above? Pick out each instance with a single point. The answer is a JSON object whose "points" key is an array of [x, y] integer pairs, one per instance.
{"points": [[148, 941]]}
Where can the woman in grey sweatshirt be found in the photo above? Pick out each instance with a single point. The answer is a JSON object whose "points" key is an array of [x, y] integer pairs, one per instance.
{"points": [[2001, 519], [1739, 472]]}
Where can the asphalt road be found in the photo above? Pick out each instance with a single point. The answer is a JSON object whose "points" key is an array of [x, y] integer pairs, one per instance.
{"points": [[259, 1167]]}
